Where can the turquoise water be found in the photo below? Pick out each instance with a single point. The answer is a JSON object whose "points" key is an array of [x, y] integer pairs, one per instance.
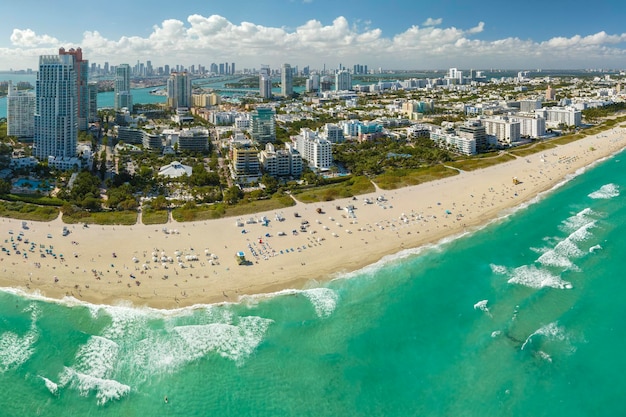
{"points": [[524, 317]]}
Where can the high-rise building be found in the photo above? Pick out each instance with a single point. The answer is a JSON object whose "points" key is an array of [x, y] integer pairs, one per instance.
{"points": [[265, 83], [81, 68], [92, 111], [263, 125], [343, 81], [179, 90], [122, 96], [20, 113], [56, 108], [232, 68], [286, 78]]}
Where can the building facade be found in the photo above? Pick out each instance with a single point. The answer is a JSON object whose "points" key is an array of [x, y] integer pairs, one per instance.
{"points": [[245, 165], [504, 129], [451, 140], [179, 90], [343, 81], [81, 68], [122, 97], [20, 113], [56, 108], [315, 150], [193, 140], [281, 162], [265, 86], [286, 81], [263, 125]]}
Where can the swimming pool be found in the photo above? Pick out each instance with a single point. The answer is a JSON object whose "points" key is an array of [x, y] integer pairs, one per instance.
{"points": [[32, 184]]}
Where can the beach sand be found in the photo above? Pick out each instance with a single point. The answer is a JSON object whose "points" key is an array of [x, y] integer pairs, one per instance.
{"points": [[182, 264]]}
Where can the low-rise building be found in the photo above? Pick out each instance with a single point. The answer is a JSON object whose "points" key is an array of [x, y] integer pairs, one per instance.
{"points": [[175, 170], [314, 149], [193, 140], [449, 139], [281, 162]]}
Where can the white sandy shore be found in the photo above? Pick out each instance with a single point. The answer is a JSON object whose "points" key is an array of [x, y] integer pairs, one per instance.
{"points": [[82, 263]]}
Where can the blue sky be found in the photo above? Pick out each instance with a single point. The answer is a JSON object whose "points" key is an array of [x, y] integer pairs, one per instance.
{"points": [[403, 34]]}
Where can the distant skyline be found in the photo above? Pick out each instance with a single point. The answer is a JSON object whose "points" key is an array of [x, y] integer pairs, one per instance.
{"points": [[396, 34]]}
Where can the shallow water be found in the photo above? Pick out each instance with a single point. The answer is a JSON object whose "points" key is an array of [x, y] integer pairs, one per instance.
{"points": [[523, 317]]}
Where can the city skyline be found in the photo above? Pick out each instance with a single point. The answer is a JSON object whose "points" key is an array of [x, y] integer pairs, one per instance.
{"points": [[395, 35]]}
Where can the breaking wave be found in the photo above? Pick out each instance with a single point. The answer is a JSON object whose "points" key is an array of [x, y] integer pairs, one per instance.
{"points": [[605, 192]]}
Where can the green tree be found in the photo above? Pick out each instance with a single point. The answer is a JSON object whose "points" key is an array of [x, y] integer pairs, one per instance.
{"points": [[233, 194], [5, 187]]}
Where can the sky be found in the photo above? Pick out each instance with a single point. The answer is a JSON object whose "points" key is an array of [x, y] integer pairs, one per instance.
{"points": [[387, 34]]}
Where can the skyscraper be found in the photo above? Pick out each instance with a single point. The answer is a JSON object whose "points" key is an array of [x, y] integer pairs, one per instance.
{"points": [[20, 113], [179, 90], [122, 96], [56, 108], [81, 68], [92, 111], [265, 82], [286, 81]]}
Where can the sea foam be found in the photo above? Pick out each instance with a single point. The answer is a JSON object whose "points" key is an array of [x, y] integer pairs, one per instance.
{"points": [[605, 192], [324, 300], [106, 389], [533, 277], [15, 349], [551, 331], [97, 357], [52, 387], [229, 341]]}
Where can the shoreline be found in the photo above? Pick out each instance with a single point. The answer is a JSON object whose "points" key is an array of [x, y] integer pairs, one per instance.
{"points": [[184, 264]]}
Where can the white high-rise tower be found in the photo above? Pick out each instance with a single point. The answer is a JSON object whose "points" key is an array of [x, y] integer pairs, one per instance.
{"points": [[56, 108], [122, 97], [20, 112]]}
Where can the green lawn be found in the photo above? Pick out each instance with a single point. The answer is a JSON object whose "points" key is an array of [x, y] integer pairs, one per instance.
{"points": [[216, 211], [532, 148], [344, 189], [27, 211], [399, 178], [149, 216], [478, 163], [124, 218]]}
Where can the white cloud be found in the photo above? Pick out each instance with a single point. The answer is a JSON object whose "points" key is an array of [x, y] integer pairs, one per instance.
{"points": [[202, 40], [28, 38], [432, 22]]}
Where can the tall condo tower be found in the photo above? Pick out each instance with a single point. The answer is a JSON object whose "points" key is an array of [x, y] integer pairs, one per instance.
{"points": [[179, 90], [56, 108], [122, 97], [286, 81], [265, 82], [81, 68]]}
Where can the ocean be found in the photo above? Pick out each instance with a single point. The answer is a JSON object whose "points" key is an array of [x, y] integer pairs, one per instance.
{"points": [[522, 317]]}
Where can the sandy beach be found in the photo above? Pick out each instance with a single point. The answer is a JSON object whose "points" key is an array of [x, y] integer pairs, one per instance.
{"points": [[181, 264]]}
